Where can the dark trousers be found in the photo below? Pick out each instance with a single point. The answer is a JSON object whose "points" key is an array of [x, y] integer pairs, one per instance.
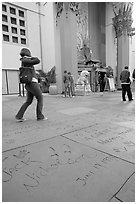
{"points": [[102, 86], [126, 89], [33, 89]]}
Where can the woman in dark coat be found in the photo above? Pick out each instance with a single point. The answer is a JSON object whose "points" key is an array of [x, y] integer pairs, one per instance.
{"points": [[33, 88]]}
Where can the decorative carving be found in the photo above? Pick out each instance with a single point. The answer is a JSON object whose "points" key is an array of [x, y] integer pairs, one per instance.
{"points": [[59, 8], [122, 21], [73, 6]]}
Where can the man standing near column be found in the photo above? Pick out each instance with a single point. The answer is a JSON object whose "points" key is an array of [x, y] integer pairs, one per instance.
{"points": [[125, 84]]}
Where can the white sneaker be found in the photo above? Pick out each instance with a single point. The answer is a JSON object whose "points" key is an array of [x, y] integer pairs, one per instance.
{"points": [[20, 120], [101, 93]]}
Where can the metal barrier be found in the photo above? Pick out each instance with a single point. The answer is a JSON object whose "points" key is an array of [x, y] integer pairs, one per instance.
{"points": [[79, 90], [10, 82]]}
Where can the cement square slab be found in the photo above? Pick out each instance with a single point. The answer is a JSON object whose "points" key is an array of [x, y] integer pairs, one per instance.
{"points": [[59, 170], [130, 124], [127, 193], [108, 137], [32, 131], [76, 111]]}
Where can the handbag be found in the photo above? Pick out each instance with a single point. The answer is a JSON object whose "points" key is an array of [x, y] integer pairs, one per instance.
{"points": [[25, 75]]}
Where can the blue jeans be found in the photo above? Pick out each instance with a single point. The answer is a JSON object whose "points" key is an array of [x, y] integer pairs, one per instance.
{"points": [[33, 89]]}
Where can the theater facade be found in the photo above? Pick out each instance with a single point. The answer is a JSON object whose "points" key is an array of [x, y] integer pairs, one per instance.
{"points": [[56, 33]]}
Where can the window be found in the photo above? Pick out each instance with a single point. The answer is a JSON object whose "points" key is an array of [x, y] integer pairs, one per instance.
{"points": [[13, 20], [5, 28], [22, 32], [23, 41], [12, 11], [14, 39], [14, 28], [6, 37], [22, 23], [4, 8], [4, 18], [21, 13]]}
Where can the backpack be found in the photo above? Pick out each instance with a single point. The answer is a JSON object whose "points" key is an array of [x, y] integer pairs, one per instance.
{"points": [[25, 75]]}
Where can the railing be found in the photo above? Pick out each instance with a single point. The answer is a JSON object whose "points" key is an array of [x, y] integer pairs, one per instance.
{"points": [[10, 82]]}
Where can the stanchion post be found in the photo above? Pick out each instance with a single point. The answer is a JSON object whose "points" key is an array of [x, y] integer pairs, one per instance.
{"points": [[23, 90], [19, 89]]}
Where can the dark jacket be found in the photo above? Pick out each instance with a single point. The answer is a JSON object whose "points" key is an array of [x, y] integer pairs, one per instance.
{"points": [[66, 79], [133, 74], [125, 77], [30, 62]]}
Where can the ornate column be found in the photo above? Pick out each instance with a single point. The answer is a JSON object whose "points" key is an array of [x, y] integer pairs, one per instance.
{"points": [[123, 55], [122, 23], [66, 30]]}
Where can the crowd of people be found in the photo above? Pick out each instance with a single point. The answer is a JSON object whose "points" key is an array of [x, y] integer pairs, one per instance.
{"points": [[33, 88]]}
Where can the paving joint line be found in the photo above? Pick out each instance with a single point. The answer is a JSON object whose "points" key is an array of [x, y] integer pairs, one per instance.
{"points": [[100, 150], [63, 135], [118, 199], [48, 138], [122, 186]]}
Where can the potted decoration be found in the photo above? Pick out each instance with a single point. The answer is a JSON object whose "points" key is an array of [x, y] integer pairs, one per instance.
{"points": [[47, 81]]}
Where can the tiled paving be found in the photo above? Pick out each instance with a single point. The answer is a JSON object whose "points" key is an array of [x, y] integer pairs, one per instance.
{"points": [[84, 152]]}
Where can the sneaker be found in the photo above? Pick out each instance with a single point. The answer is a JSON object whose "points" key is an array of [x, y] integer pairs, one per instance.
{"points": [[131, 99], [39, 119], [20, 119]]}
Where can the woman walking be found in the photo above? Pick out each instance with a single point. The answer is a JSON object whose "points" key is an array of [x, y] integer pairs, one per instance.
{"points": [[32, 88]]}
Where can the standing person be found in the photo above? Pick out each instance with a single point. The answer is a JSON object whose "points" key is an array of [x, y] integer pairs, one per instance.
{"points": [[33, 88], [125, 84], [71, 84], [66, 83], [133, 81], [133, 75], [101, 82]]}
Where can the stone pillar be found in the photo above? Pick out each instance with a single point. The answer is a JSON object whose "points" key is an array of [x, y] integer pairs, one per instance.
{"points": [[122, 55], [66, 47]]}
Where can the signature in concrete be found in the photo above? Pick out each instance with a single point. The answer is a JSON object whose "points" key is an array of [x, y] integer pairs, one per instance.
{"points": [[83, 180], [125, 147], [33, 171]]}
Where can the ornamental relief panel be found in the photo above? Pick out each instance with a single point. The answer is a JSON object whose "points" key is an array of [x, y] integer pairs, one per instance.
{"points": [[82, 29]]}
